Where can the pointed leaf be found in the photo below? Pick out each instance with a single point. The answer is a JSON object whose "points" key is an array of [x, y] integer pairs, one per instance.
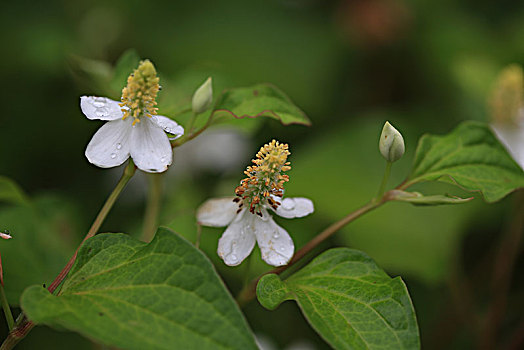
{"points": [[349, 301], [472, 157], [261, 100], [133, 295], [10, 192]]}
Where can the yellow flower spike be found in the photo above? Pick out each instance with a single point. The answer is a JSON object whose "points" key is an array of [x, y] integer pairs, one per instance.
{"points": [[265, 178], [507, 96], [139, 96]]}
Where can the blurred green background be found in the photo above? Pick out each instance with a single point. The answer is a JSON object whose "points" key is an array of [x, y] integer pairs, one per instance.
{"points": [[350, 65]]}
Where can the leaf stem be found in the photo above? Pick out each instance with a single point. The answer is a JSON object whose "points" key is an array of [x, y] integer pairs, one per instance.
{"points": [[25, 325], [154, 201], [191, 123], [199, 233], [7, 309], [385, 179], [248, 292]]}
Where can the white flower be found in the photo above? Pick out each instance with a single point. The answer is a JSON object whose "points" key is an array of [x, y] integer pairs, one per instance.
{"points": [[506, 103], [244, 228], [5, 235], [133, 129], [512, 137], [247, 216]]}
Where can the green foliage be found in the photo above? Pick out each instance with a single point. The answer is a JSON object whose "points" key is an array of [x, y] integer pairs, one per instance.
{"points": [[10, 192], [43, 240], [125, 65], [472, 157], [349, 301], [133, 295], [261, 100]]}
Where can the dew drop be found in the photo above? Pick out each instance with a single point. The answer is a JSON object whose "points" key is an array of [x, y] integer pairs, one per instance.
{"points": [[113, 155], [233, 258], [118, 146], [276, 235], [282, 248], [102, 112], [168, 130], [99, 102], [163, 159]]}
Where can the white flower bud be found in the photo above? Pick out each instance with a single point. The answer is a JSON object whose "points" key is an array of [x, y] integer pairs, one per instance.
{"points": [[203, 97], [391, 143]]}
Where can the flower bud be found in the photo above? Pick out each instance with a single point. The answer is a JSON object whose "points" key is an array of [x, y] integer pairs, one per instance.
{"points": [[203, 97], [391, 143]]}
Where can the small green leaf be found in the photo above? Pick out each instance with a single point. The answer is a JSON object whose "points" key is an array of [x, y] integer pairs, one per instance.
{"points": [[261, 100], [10, 192], [349, 301], [418, 198], [470, 156], [133, 295]]}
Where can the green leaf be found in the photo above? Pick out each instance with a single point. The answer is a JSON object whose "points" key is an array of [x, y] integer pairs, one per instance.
{"points": [[10, 192], [472, 157], [261, 100], [133, 295], [43, 238], [349, 301], [418, 198]]}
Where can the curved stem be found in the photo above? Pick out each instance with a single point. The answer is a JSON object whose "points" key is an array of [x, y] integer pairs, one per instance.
{"points": [[7, 309], [385, 179], [25, 325], [249, 291], [154, 200]]}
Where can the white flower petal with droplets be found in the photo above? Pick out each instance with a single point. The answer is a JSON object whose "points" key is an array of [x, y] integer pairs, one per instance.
{"points": [[295, 207], [150, 147], [101, 108], [513, 139], [110, 145], [238, 240], [217, 212], [169, 126], [275, 243]]}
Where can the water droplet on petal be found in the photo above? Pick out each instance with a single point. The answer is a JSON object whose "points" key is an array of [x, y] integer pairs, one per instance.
{"points": [[113, 155], [288, 204], [276, 235], [168, 130], [118, 146], [99, 102], [102, 112], [282, 248], [233, 258]]}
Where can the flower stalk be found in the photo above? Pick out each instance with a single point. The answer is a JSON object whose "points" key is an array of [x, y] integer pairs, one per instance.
{"points": [[154, 201]]}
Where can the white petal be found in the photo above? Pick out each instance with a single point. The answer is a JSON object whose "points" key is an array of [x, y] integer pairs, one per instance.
{"points": [[238, 240], [110, 145], [295, 207], [101, 108], [169, 126], [217, 212], [275, 244], [513, 139], [150, 147]]}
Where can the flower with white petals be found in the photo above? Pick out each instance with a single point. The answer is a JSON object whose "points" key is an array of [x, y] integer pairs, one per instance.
{"points": [[248, 217], [133, 128], [507, 111]]}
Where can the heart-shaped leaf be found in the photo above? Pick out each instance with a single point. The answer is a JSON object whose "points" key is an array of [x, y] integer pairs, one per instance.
{"points": [[472, 157], [133, 295], [349, 301], [261, 100]]}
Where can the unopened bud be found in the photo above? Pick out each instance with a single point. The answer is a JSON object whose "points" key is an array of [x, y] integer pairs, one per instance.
{"points": [[391, 143], [203, 97]]}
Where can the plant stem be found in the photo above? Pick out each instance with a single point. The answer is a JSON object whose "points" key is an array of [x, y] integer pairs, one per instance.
{"points": [[25, 325], [199, 233], [191, 123], [154, 200], [505, 260], [7, 309], [385, 179], [248, 292]]}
